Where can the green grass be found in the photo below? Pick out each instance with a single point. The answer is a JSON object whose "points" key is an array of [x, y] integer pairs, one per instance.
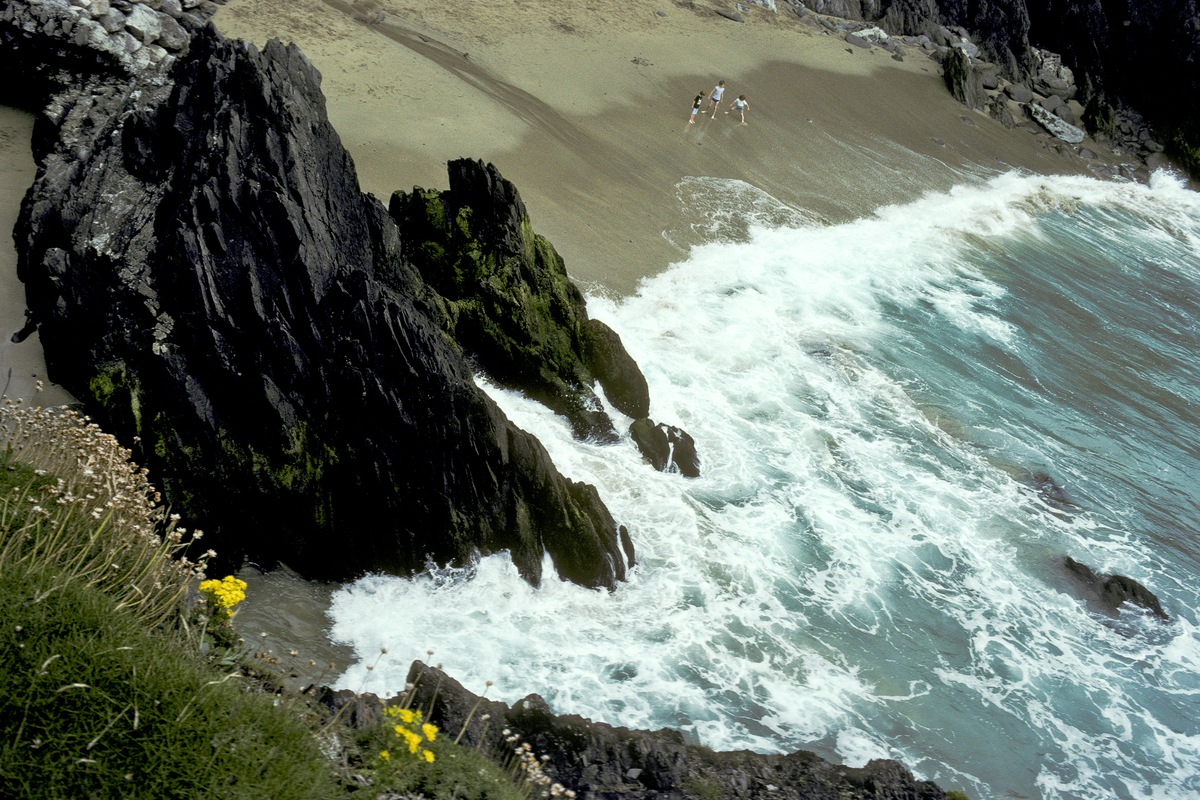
{"points": [[119, 678], [107, 709]]}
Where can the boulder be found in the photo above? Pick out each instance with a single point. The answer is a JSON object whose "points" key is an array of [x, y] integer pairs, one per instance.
{"points": [[962, 79], [622, 380], [1055, 125], [1019, 93], [211, 283], [666, 446]]}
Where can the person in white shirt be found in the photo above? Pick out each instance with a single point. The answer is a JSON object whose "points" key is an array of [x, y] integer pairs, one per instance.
{"points": [[714, 97], [741, 106]]}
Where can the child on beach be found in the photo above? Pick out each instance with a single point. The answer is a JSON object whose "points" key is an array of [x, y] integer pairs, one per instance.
{"points": [[696, 107], [714, 98], [741, 106]]}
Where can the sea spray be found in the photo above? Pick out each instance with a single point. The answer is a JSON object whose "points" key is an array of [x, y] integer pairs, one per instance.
{"points": [[870, 565]]}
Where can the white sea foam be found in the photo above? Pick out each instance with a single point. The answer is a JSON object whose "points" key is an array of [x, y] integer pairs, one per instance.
{"points": [[856, 570]]}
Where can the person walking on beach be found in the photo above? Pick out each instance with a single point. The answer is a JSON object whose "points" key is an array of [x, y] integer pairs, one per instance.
{"points": [[696, 106], [741, 106], [714, 98]]}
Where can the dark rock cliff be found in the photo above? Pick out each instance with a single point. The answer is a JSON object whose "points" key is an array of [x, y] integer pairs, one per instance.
{"points": [[1141, 56], [209, 279]]}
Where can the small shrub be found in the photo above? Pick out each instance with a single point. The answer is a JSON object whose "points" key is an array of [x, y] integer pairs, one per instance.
{"points": [[72, 497]]}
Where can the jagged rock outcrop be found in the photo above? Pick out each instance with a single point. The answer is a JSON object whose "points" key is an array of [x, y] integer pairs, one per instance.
{"points": [[1112, 591], [509, 301], [963, 81], [210, 281], [599, 760]]}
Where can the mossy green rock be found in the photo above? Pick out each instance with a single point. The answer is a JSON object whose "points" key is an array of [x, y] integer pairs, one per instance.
{"points": [[510, 303]]}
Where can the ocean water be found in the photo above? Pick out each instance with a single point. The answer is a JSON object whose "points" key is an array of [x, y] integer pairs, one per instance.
{"points": [[866, 567]]}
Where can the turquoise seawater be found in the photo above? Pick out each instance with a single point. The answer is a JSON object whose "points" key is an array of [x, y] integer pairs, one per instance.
{"points": [[866, 567]]}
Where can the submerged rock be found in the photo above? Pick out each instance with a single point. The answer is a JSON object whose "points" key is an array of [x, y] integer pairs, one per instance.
{"points": [[1111, 591], [210, 281]]}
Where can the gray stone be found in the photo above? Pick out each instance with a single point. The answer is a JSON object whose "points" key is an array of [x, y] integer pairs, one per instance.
{"points": [[173, 35], [1064, 112], [144, 23], [1054, 125], [129, 42], [1050, 102], [1018, 92], [112, 21], [91, 34]]}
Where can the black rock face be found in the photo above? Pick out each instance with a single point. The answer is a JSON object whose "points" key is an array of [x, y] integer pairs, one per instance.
{"points": [[211, 282], [1144, 55]]}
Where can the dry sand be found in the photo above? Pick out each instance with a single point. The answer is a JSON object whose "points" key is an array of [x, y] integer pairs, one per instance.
{"points": [[584, 108]]}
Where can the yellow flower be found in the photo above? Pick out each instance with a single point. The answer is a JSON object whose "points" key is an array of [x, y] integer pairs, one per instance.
{"points": [[385, 755], [225, 593], [430, 731], [406, 715], [428, 755], [413, 740]]}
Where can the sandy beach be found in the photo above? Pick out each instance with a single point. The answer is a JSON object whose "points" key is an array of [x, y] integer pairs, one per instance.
{"points": [[585, 110]]}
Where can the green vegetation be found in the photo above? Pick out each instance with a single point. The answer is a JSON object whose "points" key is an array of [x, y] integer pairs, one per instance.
{"points": [[124, 676], [107, 709], [1184, 144]]}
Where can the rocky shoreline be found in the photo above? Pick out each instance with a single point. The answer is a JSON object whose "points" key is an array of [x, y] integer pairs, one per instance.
{"points": [[602, 761]]}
